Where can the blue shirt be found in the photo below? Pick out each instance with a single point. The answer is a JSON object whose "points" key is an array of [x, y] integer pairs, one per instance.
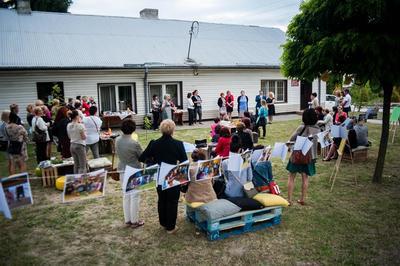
{"points": [[242, 103]]}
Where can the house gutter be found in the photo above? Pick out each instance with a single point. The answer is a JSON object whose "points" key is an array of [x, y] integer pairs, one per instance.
{"points": [[145, 85], [139, 66]]}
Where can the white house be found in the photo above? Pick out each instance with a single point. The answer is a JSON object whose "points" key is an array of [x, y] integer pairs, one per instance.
{"points": [[122, 61]]}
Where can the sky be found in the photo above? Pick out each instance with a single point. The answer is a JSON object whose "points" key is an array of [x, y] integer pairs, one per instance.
{"points": [[269, 13]]}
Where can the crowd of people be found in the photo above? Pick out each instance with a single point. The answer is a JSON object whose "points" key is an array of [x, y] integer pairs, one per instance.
{"points": [[74, 127]]}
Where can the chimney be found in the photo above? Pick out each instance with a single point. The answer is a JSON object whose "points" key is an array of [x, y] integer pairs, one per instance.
{"points": [[24, 7], [149, 13]]}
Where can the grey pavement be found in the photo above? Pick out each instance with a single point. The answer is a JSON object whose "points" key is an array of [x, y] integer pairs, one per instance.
{"points": [[206, 124]]}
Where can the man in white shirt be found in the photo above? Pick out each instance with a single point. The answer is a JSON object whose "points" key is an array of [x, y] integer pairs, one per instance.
{"points": [[93, 125], [346, 102]]}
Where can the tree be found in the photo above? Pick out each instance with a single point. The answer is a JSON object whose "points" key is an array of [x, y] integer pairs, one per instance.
{"points": [[351, 38], [362, 95], [41, 5]]}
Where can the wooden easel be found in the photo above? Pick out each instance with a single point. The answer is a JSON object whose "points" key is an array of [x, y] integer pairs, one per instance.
{"points": [[335, 171], [394, 121]]}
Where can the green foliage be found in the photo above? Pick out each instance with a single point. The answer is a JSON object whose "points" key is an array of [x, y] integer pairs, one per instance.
{"points": [[51, 5], [350, 37], [396, 95], [363, 95], [41, 5], [147, 122]]}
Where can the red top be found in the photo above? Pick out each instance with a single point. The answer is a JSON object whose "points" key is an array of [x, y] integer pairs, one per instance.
{"points": [[230, 99], [85, 108], [337, 117], [223, 146]]}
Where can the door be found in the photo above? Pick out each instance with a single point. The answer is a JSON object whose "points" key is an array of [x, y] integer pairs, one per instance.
{"points": [[305, 93], [107, 98], [125, 99]]}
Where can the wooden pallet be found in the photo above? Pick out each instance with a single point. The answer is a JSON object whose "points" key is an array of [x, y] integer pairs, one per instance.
{"points": [[236, 224]]}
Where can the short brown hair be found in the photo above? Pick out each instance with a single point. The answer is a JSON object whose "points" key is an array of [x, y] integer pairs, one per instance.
{"points": [[167, 127], [37, 110], [225, 132], [198, 154], [5, 116], [240, 127], [128, 126]]}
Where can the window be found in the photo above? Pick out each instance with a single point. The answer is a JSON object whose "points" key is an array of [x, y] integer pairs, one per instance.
{"points": [[278, 87], [117, 97], [47, 91], [174, 89]]}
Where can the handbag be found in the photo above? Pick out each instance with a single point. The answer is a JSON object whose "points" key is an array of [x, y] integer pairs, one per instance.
{"points": [[38, 135], [3, 145], [201, 143], [298, 157], [15, 147], [274, 188], [249, 190]]}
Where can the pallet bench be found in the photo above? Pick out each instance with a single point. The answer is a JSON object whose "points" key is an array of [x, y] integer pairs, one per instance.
{"points": [[236, 224]]}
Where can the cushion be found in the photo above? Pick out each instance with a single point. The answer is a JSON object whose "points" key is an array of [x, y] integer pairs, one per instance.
{"points": [[99, 163], [269, 200], [360, 148], [60, 183], [194, 204], [217, 209], [246, 204]]}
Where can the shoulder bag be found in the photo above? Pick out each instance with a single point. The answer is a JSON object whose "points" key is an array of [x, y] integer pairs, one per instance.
{"points": [[298, 157], [38, 135], [14, 147]]}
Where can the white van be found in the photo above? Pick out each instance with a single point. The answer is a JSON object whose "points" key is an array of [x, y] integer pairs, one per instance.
{"points": [[329, 101]]}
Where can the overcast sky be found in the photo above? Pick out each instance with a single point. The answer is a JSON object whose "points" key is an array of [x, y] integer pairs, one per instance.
{"points": [[272, 13]]}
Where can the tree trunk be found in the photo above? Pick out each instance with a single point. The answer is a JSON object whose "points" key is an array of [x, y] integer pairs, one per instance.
{"points": [[387, 95]]}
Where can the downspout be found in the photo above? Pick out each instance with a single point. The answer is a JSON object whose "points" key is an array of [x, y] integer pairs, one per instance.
{"points": [[146, 106], [319, 91]]}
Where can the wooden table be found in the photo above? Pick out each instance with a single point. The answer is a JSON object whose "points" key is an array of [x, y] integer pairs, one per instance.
{"points": [[115, 120], [178, 117]]}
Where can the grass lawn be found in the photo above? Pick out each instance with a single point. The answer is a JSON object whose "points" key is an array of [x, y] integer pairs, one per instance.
{"points": [[355, 224]]}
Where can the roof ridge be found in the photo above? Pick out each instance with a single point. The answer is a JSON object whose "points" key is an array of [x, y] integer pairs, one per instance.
{"points": [[138, 18]]}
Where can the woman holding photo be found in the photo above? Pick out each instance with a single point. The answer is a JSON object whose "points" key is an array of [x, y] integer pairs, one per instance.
{"points": [[168, 150], [129, 151]]}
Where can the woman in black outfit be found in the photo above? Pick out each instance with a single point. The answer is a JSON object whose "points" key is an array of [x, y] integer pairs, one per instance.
{"points": [[168, 150], [197, 106]]}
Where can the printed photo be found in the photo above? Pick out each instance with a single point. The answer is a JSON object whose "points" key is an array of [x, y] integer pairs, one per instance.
{"points": [[17, 190], [246, 160], [208, 169], [84, 186], [176, 176], [141, 179]]}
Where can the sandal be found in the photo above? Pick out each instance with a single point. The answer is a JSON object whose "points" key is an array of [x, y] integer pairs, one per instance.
{"points": [[128, 224], [137, 224], [302, 203], [326, 160]]}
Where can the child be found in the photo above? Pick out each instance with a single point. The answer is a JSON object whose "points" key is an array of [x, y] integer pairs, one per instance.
{"points": [[213, 126]]}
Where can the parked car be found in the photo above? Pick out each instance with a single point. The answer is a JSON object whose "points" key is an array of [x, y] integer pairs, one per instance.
{"points": [[329, 101]]}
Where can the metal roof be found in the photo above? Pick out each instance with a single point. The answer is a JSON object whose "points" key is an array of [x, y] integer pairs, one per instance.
{"points": [[63, 40]]}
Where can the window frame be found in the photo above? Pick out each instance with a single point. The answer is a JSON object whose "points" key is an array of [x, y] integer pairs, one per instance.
{"points": [[275, 91], [116, 85], [163, 91]]}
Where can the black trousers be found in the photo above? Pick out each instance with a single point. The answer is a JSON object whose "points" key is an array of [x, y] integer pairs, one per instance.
{"points": [[191, 116], [347, 110], [41, 151], [168, 206], [156, 117], [263, 128]]}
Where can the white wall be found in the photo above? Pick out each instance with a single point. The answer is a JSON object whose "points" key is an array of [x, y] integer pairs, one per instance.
{"points": [[20, 86]]}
